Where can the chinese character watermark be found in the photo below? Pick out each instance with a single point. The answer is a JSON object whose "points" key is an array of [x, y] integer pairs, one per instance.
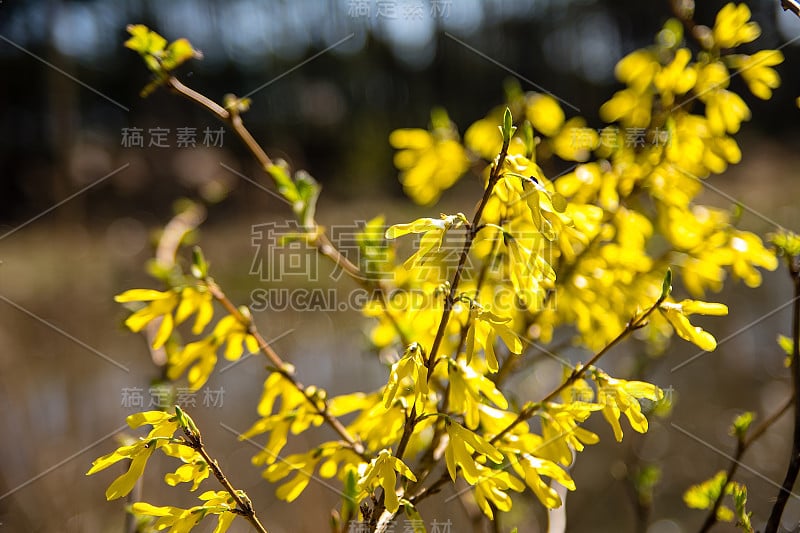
{"points": [[399, 9], [613, 137], [158, 137], [163, 396], [283, 253], [404, 526]]}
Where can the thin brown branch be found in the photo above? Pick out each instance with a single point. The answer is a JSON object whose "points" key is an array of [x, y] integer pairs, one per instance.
{"points": [[791, 5], [321, 241], [793, 468], [528, 411], [319, 404], [742, 447], [427, 462], [711, 519], [471, 233], [244, 506], [230, 117], [430, 362]]}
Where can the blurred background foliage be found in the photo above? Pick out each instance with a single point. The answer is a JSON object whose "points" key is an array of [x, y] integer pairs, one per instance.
{"points": [[394, 61], [330, 80]]}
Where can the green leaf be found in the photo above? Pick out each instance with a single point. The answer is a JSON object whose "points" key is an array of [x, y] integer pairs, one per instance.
{"points": [[308, 192], [507, 129], [703, 495], [178, 52], [741, 424], [739, 493], [666, 286], [527, 138], [199, 264], [286, 187], [145, 41], [644, 481], [440, 119], [350, 494], [786, 242], [182, 422]]}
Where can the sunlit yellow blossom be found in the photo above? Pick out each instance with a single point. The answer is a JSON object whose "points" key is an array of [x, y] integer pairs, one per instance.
{"points": [[676, 78], [632, 109], [587, 182], [429, 161], [433, 231], [575, 141], [303, 464], [484, 327], [411, 368], [691, 230], [733, 28], [164, 426], [756, 71], [637, 69], [463, 443], [618, 396], [378, 435], [490, 490], [179, 520], [711, 76], [704, 496], [468, 389], [532, 469], [201, 355], [294, 413], [703, 271], [484, 138], [677, 315], [787, 243], [162, 304], [748, 250], [183, 302], [382, 472], [725, 111], [194, 470], [545, 113], [693, 147], [195, 300], [561, 431]]}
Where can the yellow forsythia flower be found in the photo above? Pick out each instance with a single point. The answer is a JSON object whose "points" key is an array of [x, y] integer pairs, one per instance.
{"points": [[677, 315], [381, 472], [618, 396], [463, 443], [491, 487], [179, 520], [411, 366], [429, 161], [164, 425], [532, 468], [756, 71], [544, 113], [733, 28]]}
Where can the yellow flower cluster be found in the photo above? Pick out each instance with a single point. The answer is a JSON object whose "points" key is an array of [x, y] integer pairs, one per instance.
{"points": [[585, 253]]}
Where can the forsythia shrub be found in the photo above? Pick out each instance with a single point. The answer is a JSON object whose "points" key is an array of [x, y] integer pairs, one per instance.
{"points": [[592, 252]]}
